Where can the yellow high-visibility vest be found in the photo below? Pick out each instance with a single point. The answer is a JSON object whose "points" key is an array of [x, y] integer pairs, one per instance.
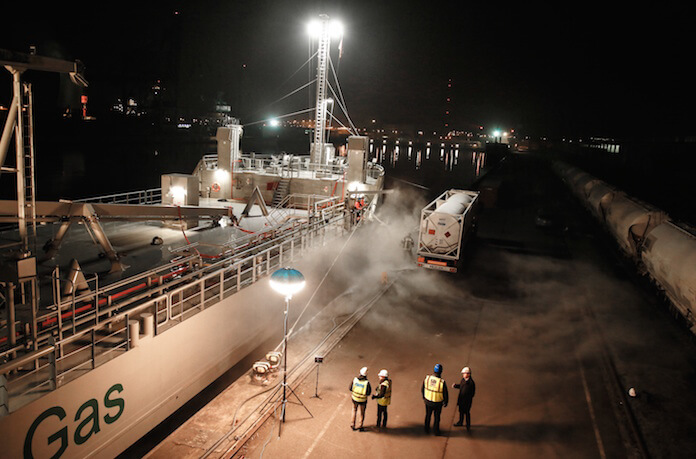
{"points": [[433, 389], [386, 400], [359, 390]]}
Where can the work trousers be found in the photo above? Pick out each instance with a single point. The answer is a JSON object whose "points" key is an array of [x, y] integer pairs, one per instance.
{"points": [[382, 415], [430, 410], [358, 416], [462, 412]]}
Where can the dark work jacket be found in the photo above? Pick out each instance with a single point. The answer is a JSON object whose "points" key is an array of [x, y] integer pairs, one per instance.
{"points": [[467, 390]]}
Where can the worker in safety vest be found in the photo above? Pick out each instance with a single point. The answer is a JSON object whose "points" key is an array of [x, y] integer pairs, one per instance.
{"points": [[434, 391], [383, 396], [359, 207], [360, 389]]}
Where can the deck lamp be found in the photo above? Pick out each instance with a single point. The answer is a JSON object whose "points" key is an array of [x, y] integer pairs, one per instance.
{"points": [[287, 282]]}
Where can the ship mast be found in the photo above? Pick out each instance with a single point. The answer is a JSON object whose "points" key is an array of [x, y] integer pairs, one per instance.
{"points": [[323, 29]]}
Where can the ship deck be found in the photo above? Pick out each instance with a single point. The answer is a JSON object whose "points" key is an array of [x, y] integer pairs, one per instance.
{"points": [[554, 324]]}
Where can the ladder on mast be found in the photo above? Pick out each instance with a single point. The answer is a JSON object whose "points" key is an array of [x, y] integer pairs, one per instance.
{"points": [[320, 109], [28, 159]]}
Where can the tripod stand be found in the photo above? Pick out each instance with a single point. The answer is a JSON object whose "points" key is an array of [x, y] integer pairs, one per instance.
{"points": [[285, 371]]}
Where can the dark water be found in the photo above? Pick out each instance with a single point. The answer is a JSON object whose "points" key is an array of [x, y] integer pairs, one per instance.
{"points": [[435, 166], [82, 159], [76, 159]]}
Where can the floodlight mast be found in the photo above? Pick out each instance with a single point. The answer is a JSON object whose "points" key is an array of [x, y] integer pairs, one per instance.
{"points": [[322, 27]]}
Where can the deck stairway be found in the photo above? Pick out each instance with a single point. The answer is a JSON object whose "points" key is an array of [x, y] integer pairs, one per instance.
{"points": [[280, 211], [280, 192]]}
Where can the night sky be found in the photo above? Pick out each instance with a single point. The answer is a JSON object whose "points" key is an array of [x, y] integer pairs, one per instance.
{"points": [[577, 70]]}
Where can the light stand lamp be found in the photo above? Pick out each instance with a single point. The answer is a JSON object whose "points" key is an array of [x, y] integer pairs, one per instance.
{"points": [[287, 282]]}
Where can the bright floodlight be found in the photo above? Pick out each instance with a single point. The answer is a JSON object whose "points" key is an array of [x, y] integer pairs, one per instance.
{"points": [[314, 28], [274, 122], [220, 175], [336, 29], [287, 281], [496, 133], [178, 193]]}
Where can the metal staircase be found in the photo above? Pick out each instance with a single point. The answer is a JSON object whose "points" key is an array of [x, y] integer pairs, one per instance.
{"points": [[280, 192]]}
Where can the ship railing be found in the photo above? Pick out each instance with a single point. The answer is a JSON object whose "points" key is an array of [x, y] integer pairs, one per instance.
{"points": [[313, 204], [71, 348], [149, 196], [296, 166], [375, 171]]}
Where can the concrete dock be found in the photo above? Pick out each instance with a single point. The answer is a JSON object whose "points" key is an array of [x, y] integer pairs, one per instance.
{"points": [[555, 325]]}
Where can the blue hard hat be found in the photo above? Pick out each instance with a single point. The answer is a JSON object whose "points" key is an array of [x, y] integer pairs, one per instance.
{"points": [[438, 368]]}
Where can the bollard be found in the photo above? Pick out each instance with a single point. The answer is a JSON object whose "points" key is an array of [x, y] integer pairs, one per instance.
{"points": [[148, 324], [134, 332]]}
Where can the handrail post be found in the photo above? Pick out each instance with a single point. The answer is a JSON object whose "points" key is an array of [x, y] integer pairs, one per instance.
{"points": [[94, 362], [201, 283], [74, 322], [222, 283], [96, 299], [127, 322], [52, 364], [4, 397]]}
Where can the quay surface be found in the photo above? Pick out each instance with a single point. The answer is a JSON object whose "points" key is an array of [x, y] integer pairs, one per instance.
{"points": [[554, 323]]}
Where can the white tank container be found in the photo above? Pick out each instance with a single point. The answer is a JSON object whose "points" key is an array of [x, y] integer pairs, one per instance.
{"points": [[630, 221], [599, 197], [669, 255], [572, 175], [441, 230], [578, 184], [584, 185]]}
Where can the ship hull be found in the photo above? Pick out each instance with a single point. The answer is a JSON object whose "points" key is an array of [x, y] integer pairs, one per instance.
{"points": [[106, 410]]}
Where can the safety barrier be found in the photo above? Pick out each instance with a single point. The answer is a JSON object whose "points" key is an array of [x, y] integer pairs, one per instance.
{"points": [[150, 196], [87, 330]]}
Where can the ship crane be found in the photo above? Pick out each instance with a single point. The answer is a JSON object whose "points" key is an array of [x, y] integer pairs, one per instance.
{"points": [[22, 270], [20, 122]]}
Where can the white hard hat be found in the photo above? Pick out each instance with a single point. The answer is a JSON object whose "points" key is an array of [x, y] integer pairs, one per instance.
{"points": [[384, 373], [363, 371], [466, 370]]}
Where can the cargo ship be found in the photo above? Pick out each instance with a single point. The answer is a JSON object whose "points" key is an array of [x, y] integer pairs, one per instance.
{"points": [[117, 310]]}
